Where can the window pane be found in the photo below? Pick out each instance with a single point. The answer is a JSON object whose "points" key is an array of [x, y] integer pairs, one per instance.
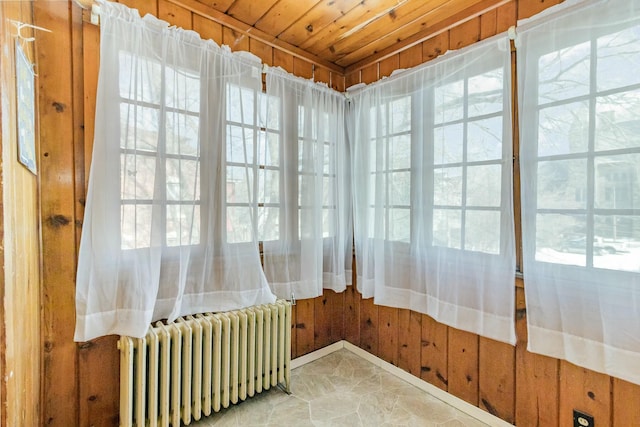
{"points": [[135, 226], [449, 102], [619, 59], [564, 129], [240, 104], [564, 73], [400, 115], [447, 187], [484, 185], [239, 144], [239, 228], [239, 185], [561, 238], [137, 176], [139, 127], [562, 184], [183, 225], [400, 191], [484, 139], [269, 149], [399, 225], [329, 164], [182, 89], [616, 182], [447, 144], [327, 222], [182, 134], [485, 93], [617, 238], [482, 231], [447, 228], [140, 78], [269, 112], [269, 223], [328, 190], [268, 186], [400, 152], [618, 121], [183, 179]]}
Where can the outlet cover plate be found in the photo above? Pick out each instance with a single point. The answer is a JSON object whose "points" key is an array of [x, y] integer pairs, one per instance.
{"points": [[580, 419]]}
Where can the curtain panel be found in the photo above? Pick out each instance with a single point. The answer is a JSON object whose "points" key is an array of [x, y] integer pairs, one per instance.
{"points": [[432, 190], [307, 243], [165, 232], [579, 95]]}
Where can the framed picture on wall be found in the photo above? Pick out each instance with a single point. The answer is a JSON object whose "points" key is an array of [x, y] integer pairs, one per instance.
{"points": [[25, 93]]}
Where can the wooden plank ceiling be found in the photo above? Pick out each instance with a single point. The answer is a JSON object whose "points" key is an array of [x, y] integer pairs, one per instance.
{"points": [[345, 32]]}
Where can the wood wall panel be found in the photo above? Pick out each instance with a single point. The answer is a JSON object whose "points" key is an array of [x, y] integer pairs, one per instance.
{"points": [[626, 403], [305, 335], [235, 40], [20, 346], [352, 315], [388, 65], [175, 15], [143, 6], [388, 334], [497, 379], [463, 376], [586, 391], [58, 211], [369, 326], [335, 306], [409, 341], [434, 355], [209, 30], [322, 322]]}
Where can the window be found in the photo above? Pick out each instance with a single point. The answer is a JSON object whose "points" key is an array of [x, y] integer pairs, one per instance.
{"points": [[390, 124], [252, 165], [159, 154], [587, 156]]}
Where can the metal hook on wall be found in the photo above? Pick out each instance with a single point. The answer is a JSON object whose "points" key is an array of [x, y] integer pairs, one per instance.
{"points": [[20, 25]]}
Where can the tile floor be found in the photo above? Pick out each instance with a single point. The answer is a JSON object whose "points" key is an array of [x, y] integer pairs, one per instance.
{"points": [[342, 389]]}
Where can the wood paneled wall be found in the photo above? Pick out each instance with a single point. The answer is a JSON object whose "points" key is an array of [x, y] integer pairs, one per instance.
{"points": [[520, 387], [19, 248]]}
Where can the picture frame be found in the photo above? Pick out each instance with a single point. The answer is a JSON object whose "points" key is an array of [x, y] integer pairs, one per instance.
{"points": [[25, 105]]}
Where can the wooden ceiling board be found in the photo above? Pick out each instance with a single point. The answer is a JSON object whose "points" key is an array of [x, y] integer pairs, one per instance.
{"points": [[397, 24], [221, 5], [363, 12], [316, 19], [249, 11], [283, 14]]}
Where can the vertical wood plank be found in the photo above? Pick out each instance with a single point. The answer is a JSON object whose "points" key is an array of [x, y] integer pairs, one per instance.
{"points": [[626, 403], [57, 201], [338, 81], [409, 341], [463, 365], [235, 40], [143, 6], [352, 315], [506, 16], [464, 34], [497, 379], [488, 24], [91, 60], [434, 354], [336, 313], [584, 390], [369, 326], [208, 29], [302, 68], [528, 8], [174, 14], [322, 321], [261, 50], [388, 334], [321, 74], [435, 46], [294, 331], [283, 59], [410, 57], [352, 79], [305, 341], [388, 65], [369, 74], [536, 378]]}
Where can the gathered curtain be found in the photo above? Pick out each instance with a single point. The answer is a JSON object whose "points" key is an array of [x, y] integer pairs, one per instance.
{"points": [[165, 232], [305, 183], [432, 189], [579, 95]]}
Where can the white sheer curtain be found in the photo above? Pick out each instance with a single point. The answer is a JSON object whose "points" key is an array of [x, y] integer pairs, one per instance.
{"points": [[164, 233], [432, 190], [579, 91], [307, 245]]}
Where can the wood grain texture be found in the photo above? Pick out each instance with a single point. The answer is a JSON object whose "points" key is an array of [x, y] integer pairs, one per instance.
{"points": [[528, 8], [305, 335], [388, 65], [249, 11], [388, 334], [586, 391], [57, 201], [322, 322], [497, 379], [236, 40], [174, 14], [208, 29], [369, 326], [20, 359], [302, 68], [335, 306], [434, 353], [626, 403], [409, 341], [410, 57], [283, 59], [352, 315], [463, 363], [370, 74], [143, 6]]}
